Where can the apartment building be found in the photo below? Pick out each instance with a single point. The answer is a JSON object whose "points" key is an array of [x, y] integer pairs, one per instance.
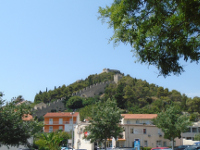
{"points": [[140, 127], [188, 136], [136, 127], [60, 121]]}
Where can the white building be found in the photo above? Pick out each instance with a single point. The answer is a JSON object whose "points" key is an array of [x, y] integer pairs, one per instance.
{"points": [[136, 126]]}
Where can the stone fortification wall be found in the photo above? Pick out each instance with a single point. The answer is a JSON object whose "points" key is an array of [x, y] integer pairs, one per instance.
{"points": [[58, 105], [42, 108], [93, 90]]}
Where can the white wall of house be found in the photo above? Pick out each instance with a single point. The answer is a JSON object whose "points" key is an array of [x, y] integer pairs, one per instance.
{"points": [[142, 129], [79, 142]]}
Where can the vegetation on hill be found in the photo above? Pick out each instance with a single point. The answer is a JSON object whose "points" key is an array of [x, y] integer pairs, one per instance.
{"points": [[66, 91], [131, 94]]}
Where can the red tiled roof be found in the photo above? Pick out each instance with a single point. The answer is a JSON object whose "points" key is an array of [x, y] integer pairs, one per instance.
{"points": [[27, 117], [61, 114], [139, 116]]}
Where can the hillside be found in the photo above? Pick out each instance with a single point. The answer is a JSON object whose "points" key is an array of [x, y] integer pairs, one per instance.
{"points": [[132, 95]]}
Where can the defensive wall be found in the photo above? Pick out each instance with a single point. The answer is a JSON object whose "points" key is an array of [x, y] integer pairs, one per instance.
{"points": [[92, 90], [41, 109]]}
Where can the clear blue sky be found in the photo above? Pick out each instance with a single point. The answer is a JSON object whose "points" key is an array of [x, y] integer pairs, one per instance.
{"points": [[50, 43]]}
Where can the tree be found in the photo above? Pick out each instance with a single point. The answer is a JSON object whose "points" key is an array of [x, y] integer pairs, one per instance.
{"points": [[172, 123], [14, 131], [161, 32], [104, 122], [193, 104], [75, 102], [51, 141], [197, 137], [119, 96]]}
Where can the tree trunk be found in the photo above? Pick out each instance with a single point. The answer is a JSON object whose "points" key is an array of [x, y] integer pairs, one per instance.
{"points": [[172, 143], [105, 144]]}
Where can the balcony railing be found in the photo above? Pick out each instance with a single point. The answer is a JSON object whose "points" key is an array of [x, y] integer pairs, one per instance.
{"points": [[48, 131], [57, 122]]}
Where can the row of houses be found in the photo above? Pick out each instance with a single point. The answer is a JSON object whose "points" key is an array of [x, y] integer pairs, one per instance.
{"points": [[136, 127]]}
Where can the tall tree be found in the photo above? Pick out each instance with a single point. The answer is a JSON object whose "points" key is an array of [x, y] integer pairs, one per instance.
{"points": [[14, 131], [160, 32], [172, 122], [74, 102], [104, 122]]}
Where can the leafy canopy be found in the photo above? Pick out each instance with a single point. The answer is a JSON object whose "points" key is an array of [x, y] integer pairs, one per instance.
{"points": [[172, 122], [104, 121], [161, 32], [14, 131], [51, 141]]}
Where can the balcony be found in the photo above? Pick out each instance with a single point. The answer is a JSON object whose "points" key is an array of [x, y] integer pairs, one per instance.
{"points": [[59, 123], [50, 130]]}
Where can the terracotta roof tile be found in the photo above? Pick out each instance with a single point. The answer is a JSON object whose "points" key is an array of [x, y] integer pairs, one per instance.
{"points": [[60, 114], [139, 116], [27, 117]]}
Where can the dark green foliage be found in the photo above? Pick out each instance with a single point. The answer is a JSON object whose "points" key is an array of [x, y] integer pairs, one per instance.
{"points": [[133, 95], [194, 104], [193, 117], [51, 141], [86, 112], [66, 91], [197, 137], [119, 96], [90, 100], [172, 122], [161, 33], [13, 130], [75, 102], [104, 121]]}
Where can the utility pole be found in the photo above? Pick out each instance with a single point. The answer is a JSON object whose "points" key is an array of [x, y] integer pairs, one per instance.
{"points": [[72, 130]]}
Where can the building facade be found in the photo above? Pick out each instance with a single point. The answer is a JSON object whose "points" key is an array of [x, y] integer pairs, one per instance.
{"points": [[188, 136], [136, 127], [60, 121], [140, 127]]}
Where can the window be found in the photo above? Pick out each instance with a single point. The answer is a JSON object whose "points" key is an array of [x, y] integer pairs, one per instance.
{"points": [[194, 130], [132, 144], [144, 131], [132, 131], [50, 129], [158, 143], [60, 120], [137, 121], [50, 121], [60, 127], [164, 143], [145, 143], [128, 122]]}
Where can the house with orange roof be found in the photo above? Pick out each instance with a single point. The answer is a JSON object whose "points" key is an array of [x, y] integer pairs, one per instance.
{"points": [[60, 121], [137, 127]]}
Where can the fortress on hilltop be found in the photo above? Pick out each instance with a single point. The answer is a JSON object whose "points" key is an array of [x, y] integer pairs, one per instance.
{"points": [[96, 89], [111, 70]]}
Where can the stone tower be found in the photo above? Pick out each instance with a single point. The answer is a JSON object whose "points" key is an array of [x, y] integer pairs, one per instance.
{"points": [[117, 77]]}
